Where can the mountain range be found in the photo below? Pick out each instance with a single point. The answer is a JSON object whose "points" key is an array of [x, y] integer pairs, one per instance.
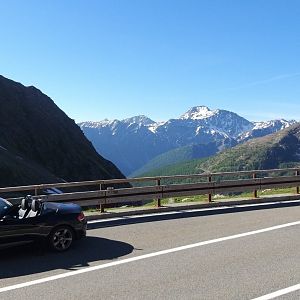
{"points": [[277, 150], [39, 143], [139, 144]]}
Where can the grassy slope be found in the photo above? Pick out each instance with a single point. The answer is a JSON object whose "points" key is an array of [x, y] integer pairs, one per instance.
{"points": [[174, 156]]}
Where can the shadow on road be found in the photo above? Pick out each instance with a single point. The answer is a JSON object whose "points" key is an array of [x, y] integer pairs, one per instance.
{"points": [[183, 214], [26, 260]]}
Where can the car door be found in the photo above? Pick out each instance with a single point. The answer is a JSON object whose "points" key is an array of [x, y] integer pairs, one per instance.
{"points": [[14, 230]]}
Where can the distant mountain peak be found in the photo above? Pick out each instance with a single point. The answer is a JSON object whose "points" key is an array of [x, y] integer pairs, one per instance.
{"points": [[282, 123], [97, 124], [141, 120], [136, 120], [198, 113], [260, 129]]}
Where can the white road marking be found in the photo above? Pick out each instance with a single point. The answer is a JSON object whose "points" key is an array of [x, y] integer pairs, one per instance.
{"points": [[184, 211], [279, 293], [145, 256]]}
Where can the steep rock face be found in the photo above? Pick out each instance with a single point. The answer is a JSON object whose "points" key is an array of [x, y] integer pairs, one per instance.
{"points": [[17, 170], [36, 130]]}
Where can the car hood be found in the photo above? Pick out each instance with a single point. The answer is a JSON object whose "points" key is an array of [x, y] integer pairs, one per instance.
{"points": [[62, 207]]}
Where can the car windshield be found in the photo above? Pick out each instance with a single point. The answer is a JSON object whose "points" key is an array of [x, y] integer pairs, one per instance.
{"points": [[4, 206]]}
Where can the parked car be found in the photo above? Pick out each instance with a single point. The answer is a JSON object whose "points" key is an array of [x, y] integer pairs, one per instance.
{"points": [[57, 224]]}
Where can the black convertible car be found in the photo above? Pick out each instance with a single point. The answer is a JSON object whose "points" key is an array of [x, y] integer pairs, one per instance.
{"points": [[56, 223]]}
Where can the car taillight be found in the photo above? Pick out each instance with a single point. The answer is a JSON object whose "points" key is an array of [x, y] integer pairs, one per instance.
{"points": [[81, 217]]}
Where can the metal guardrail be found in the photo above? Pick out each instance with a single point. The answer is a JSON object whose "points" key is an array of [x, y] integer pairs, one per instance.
{"points": [[214, 183]]}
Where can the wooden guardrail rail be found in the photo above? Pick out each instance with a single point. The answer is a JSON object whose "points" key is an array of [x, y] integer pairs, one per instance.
{"points": [[205, 183]]}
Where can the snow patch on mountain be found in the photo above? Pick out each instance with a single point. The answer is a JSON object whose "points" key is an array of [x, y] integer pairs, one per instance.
{"points": [[153, 127], [198, 113], [139, 121], [280, 123], [260, 129], [97, 124]]}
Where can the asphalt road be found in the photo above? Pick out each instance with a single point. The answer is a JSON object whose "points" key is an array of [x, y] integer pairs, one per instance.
{"points": [[213, 254]]}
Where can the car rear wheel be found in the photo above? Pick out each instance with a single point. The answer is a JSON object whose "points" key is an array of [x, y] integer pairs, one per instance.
{"points": [[61, 238]]}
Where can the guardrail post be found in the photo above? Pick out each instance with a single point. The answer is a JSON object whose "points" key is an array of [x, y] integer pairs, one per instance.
{"points": [[158, 203], [255, 191], [101, 204], [297, 188], [35, 192], [209, 195]]}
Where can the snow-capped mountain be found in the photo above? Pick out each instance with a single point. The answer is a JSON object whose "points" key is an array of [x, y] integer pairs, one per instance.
{"points": [[132, 142], [261, 129], [198, 113]]}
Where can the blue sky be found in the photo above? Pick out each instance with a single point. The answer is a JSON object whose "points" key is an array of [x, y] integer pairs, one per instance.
{"points": [[115, 59]]}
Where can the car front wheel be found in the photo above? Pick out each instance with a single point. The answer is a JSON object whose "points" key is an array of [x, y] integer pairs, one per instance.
{"points": [[61, 238]]}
